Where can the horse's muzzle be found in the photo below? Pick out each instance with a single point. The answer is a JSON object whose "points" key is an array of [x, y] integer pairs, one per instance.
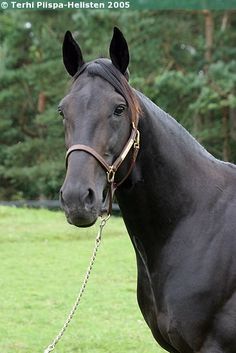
{"points": [[81, 210]]}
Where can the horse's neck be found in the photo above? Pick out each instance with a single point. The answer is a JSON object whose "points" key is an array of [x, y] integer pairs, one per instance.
{"points": [[167, 178]]}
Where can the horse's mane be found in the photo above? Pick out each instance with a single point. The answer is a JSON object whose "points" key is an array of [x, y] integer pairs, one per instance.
{"points": [[106, 70]]}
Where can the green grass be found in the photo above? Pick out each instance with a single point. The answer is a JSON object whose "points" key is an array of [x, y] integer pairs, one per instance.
{"points": [[43, 261]]}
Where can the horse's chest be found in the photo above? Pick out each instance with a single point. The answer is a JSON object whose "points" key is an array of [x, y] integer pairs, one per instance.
{"points": [[151, 293], [161, 324]]}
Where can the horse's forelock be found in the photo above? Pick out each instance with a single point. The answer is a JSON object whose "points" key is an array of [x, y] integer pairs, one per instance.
{"points": [[106, 70]]}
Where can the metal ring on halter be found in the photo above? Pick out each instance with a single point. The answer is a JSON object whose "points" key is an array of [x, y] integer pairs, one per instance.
{"points": [[111, 175]]}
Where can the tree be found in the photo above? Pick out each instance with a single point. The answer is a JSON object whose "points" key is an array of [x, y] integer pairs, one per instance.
{"points": [[183, 60]]}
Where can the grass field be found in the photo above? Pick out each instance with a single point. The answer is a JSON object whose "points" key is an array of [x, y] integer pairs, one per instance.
{"points": [[43, 261]]}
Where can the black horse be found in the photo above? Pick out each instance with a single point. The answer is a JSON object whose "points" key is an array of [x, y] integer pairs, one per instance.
{"points": [[178, 202]]}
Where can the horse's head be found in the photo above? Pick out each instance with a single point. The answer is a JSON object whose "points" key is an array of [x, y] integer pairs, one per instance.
{"points": [[100, 114]]}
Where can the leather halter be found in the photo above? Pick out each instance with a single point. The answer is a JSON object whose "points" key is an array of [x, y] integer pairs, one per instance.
{"points": [[133, 142]]}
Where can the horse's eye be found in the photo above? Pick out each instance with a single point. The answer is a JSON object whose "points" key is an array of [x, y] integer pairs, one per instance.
{"points": [[119, 110], [60, 112]]}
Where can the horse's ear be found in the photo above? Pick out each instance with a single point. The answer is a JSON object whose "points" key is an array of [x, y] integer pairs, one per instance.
{"points": [[119, 51], [72, 55]]}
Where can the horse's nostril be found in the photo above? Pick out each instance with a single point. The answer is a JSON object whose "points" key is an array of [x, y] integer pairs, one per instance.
{"points": [[76, 199], [61, 198], [90, 197]]}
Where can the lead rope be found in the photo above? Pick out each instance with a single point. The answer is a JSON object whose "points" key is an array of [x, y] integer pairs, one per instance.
{"points": [[51, 347]]}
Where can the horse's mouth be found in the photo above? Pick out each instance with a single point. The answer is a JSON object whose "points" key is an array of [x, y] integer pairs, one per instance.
{"points": [[78, 223], [80, 217], [81, 221], [83, 215]]}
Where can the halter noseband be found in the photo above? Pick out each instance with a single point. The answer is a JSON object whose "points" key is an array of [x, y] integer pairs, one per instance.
{"points": [[133, 141]]}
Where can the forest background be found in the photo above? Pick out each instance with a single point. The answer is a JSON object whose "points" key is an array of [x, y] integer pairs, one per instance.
{"points": [[185, 61]]}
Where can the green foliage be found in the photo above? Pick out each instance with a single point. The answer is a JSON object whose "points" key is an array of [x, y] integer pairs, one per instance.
{"points": [[31, 140], [168, 64]]}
